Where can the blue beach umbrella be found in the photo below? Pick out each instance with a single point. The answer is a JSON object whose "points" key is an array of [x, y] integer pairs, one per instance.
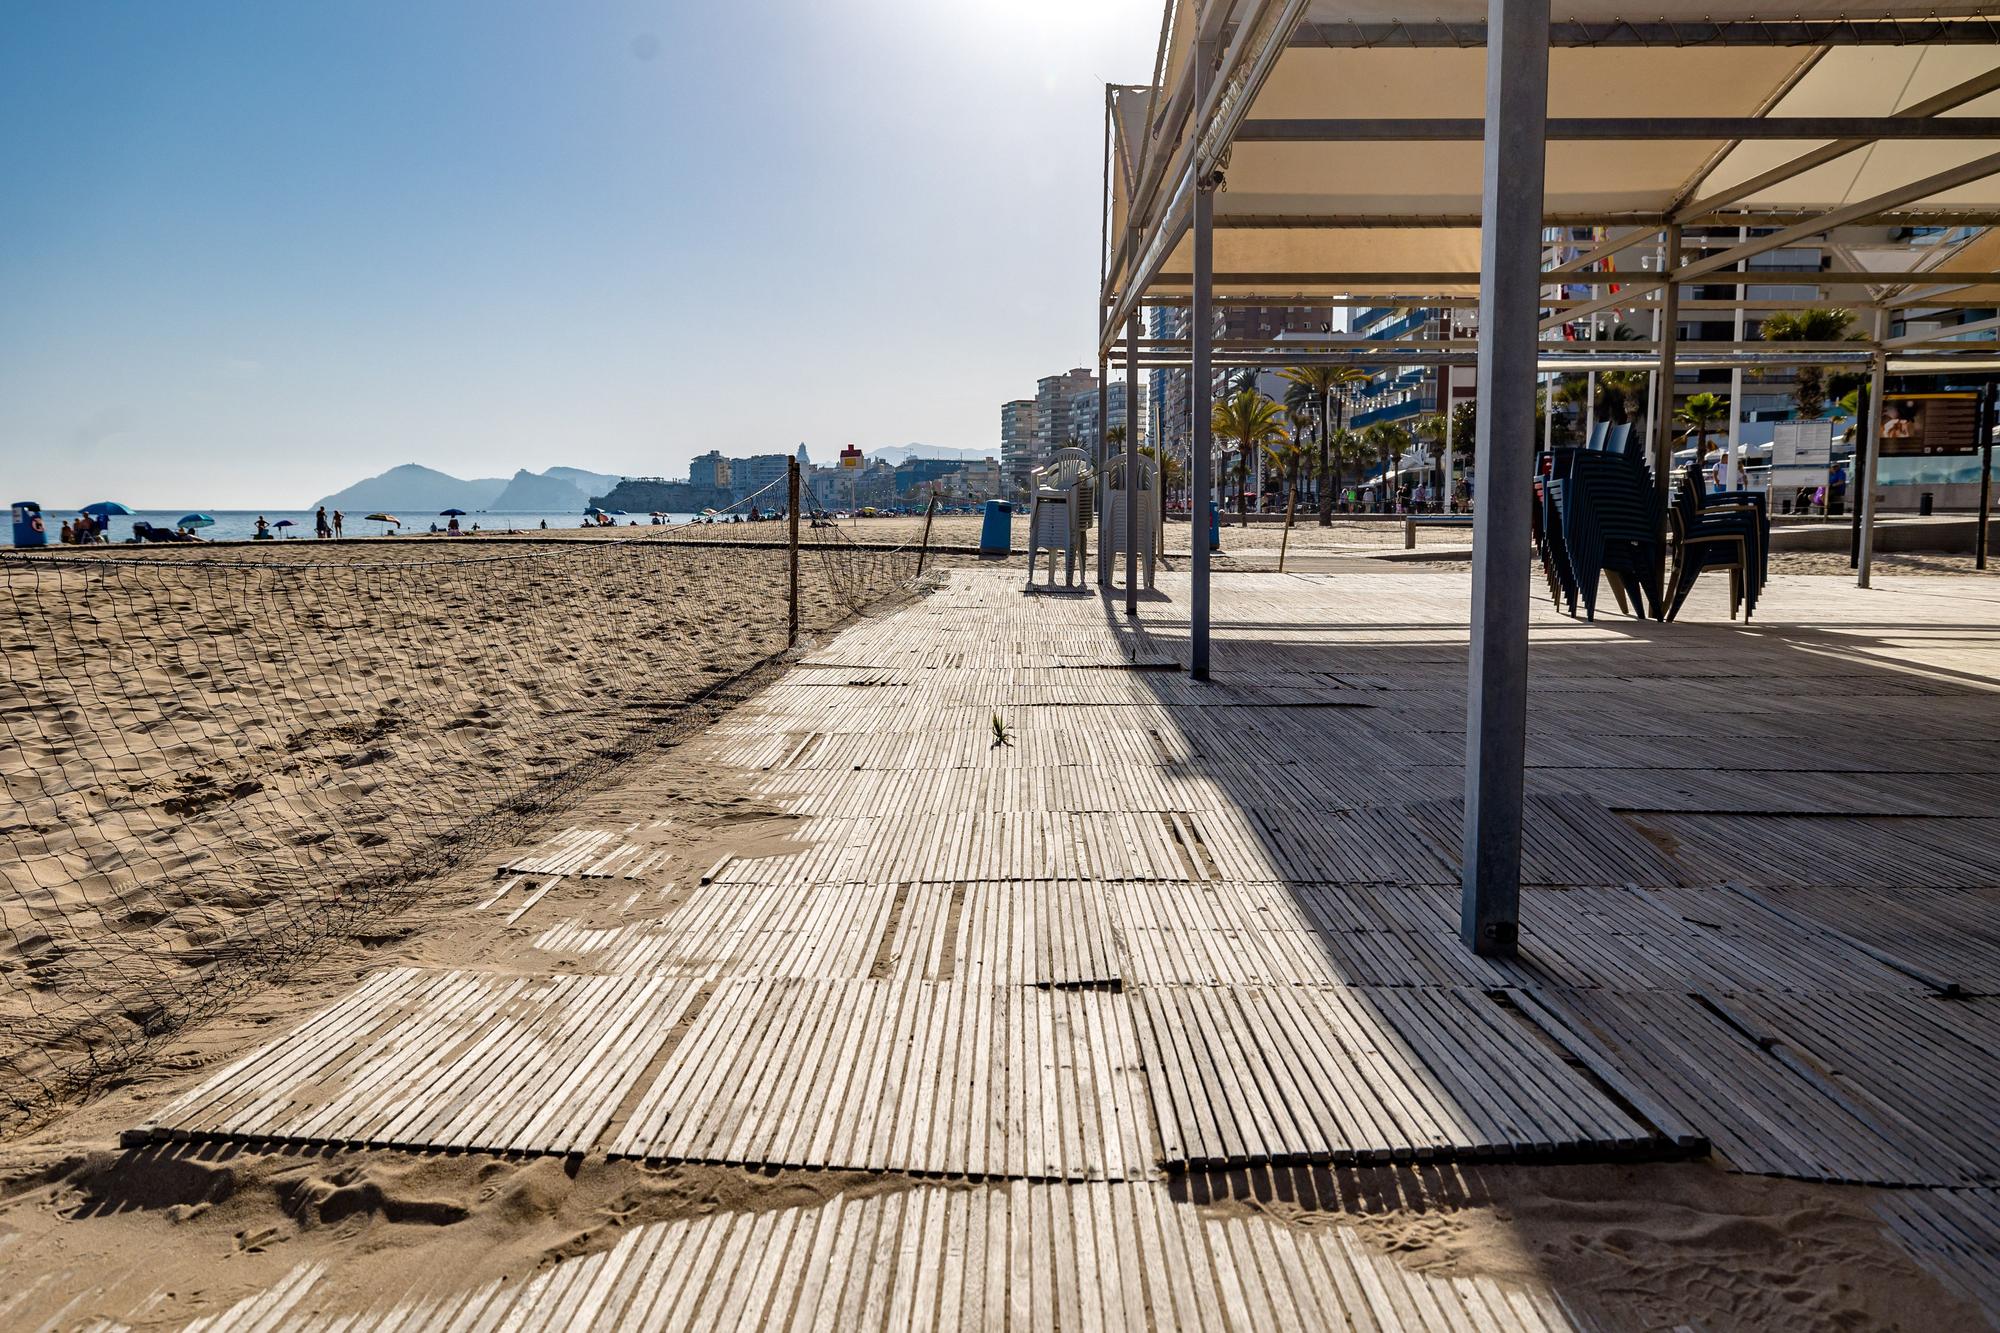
{"points": [[104, 509], [451, 513], [194, 521]]}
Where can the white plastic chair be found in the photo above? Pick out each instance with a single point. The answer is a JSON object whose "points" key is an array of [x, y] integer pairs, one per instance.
{"points": [[1059, 513], [1111, 551]]}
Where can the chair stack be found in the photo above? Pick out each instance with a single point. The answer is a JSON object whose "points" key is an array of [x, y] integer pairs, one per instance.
{"points": [[1726, 530], [1060, 513], [1597, 519]]}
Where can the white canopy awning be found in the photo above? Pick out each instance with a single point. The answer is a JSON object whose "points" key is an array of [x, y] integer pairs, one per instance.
{"points": [[1291, 210]]}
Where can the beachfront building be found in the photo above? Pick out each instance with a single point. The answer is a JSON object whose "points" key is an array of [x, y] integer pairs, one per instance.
{"points": [[709, 471], [1167, 425], [762, 475], [1055, 424], [1017, 444], [1083, 413]]}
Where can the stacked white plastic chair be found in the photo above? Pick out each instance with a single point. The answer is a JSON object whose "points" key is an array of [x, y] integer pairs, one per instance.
{"points": [[1111, 551], [1059, 513]]}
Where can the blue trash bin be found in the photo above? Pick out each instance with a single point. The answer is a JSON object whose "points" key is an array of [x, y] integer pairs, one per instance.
{"points": [[29, 530], [1214, 528], [996, 533]]}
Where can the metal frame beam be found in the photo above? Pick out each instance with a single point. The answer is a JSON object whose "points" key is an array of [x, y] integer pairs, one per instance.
{"points": [[1977, 169], [1978, 31], [1957, 95], [1623, 129]]}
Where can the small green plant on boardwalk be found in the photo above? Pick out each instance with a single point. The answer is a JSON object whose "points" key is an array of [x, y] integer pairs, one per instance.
{"points": [[1001, 735]]}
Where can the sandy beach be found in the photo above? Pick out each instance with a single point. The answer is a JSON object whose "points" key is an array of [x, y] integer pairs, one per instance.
{"points": [[221, 759]]}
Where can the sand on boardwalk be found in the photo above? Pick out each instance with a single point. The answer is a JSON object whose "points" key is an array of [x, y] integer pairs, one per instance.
{"points": [[218, 759]]}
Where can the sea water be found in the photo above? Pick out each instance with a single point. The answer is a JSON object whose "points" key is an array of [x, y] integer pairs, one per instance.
{"points": [[241, 524]]}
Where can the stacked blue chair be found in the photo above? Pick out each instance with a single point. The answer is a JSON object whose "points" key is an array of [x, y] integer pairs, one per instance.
{"points": [[1611, 530], [1730, 530], [1596, 516]]}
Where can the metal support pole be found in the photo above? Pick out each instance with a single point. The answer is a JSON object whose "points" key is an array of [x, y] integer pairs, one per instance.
{"points": [[1496, 715], [1987, 403], [1101, 453], [792, 555], [1739, 479], [1201, 388], [1448, 379], [1667, 331], [1877, 374], [1132, 464]]}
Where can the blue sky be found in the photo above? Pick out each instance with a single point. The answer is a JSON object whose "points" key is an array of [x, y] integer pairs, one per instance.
{"points": [[251, 252]]}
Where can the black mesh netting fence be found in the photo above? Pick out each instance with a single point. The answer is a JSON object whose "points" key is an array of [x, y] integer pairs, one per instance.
{"points": [[216, 760]]}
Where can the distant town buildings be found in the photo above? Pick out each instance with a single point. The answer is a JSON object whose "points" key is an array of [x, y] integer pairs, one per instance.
{"points": [[1063, 412]]}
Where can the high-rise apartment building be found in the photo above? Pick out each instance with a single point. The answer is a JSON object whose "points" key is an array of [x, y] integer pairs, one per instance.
{"points": [[1017, 444], [1054, 427], [1083, 413], [1169, 428]]}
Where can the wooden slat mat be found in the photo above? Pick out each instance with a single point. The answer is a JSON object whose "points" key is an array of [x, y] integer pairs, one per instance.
{"points": [[1353, 1074], [925, 1077], [1952, 935], [1019, 1257], [1799, 851], [760, 930], [1802, 1085], [1006, 932], [1955, 1234], [592, 854], [1566, 840], [443, 1059]]}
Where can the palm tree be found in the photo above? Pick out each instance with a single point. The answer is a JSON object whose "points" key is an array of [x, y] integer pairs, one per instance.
{"points": [[1699, 414], [1389, 441], [1249, 421], [1318, 387], [1621, 394], [1819, 324]]}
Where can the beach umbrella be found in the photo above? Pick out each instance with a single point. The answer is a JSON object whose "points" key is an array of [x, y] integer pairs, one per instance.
{"points": [[194, 521], [284, 523], [451, 513], [385, 520], [104, 509]]}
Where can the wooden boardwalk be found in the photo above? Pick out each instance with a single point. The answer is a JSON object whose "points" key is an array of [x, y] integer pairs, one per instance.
{"points": [[1161, 927]]}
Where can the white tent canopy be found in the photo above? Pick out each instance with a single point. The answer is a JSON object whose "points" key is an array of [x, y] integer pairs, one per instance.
{"points": [[1297, 148]]}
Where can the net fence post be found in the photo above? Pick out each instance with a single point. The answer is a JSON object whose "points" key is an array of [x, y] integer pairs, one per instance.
{"points": [[923, 551], [792, 554]]}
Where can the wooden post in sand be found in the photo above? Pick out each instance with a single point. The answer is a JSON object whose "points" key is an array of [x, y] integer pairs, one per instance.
{"points": [[1291, 507], [792, 518], [923, 552]]}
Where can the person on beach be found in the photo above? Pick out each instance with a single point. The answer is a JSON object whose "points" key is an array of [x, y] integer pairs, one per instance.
{"points": [[68, 537], [451, 529], [263, 531], [337, 516]]}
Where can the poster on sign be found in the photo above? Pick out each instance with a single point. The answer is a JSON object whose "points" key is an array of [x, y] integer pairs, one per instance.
{"points": [[1928, 424], [1801, 453]]}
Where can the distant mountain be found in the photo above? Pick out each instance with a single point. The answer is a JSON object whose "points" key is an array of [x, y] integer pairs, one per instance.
{"points": [[415, 488], [590, 483], [530, 493], [902, 453]]}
